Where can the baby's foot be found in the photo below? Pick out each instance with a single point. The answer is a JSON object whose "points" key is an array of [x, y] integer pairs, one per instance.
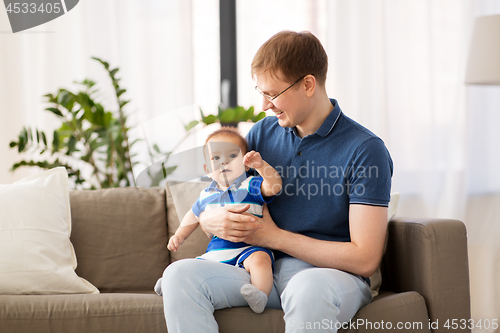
{"points": [[256, 298], [158, 287]]}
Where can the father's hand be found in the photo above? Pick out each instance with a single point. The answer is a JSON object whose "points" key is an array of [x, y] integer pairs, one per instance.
{"points": [[269, 235], [232, 224]]}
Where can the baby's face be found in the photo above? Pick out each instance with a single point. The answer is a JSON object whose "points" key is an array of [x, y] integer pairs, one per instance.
{"points": [[225, 162]]}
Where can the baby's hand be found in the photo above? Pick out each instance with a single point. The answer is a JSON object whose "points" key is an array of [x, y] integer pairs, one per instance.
{"points": [[252, 159], [175, 242]]}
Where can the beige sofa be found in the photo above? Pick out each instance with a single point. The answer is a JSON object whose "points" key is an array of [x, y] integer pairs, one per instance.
{"points": [[120, 238]]}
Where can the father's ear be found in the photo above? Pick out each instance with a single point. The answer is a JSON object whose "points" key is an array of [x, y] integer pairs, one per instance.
{"points": [[310, 84]]}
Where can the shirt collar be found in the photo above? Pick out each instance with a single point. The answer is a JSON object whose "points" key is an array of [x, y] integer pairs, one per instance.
{"points": [[235, 185], [329, 122]]}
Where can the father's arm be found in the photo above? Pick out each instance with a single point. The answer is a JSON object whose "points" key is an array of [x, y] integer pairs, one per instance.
{"points": [[362, 255]]}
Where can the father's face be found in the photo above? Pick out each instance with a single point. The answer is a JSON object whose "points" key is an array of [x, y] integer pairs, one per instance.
{"points": [[289, 107]]}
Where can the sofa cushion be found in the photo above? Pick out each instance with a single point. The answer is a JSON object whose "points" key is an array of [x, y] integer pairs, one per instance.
{"points": [[244, 320], [180, 198], [36, 253], [87, 313], [120, 237], [400, 312]]}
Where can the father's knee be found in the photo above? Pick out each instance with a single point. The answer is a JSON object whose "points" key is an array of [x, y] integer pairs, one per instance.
{"points": [[309, 287], [179, 275]]}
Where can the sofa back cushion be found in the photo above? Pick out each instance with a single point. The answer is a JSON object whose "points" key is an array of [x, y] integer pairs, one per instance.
{"points": [[120, 237], [180, 198]]}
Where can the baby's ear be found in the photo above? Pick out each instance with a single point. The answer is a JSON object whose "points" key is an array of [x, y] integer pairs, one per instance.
{"points": [[205, 168]]}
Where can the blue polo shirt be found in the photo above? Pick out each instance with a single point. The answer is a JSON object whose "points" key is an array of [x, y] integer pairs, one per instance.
{"points": [[342, 163]]}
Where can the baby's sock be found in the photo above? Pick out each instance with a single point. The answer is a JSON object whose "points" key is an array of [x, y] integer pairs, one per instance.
{"points": [[256, 298], [158, 287]]}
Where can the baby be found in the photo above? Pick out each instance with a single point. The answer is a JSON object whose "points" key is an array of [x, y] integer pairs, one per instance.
{"points": [[232, 186]]}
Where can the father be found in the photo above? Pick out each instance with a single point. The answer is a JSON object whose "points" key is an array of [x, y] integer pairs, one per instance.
{"points": [[328, 225]]}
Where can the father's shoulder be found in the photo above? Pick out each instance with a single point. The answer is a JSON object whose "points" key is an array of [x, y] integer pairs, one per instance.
{"points": [[355, 131]]}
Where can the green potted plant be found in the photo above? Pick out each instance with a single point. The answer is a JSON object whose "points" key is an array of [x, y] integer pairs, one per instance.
{"points": [[90, 136]]}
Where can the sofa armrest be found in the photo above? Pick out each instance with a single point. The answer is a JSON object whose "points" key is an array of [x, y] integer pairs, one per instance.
{"points": [[430, 257]]}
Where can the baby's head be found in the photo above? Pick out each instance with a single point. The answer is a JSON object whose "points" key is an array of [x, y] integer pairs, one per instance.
{"points": [[223, 152]]}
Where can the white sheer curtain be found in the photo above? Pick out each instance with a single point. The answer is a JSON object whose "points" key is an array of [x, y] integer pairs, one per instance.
{"points": [[167, 52], [397, 66]]}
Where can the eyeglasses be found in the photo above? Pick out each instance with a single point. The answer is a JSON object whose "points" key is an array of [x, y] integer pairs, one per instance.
{"points": [[272, 98]]}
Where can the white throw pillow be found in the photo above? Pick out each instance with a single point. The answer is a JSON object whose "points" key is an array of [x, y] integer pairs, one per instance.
{"points": [[36, 255]]}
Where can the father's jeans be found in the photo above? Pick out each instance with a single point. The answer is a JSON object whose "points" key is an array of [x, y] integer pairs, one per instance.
{"points": [[313, 299]]}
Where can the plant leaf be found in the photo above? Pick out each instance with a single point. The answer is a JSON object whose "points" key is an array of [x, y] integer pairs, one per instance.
{"points": [[44, 139], [23, 140], [134, 142], [120, 92], [239, 113], [55, 111], [258, 117], [228, 116], [55, 142], [210, 119], [167, 171], [248, 114], [108, 117], [71, 145], [104, 63], [191, 125], [63, 97]]}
